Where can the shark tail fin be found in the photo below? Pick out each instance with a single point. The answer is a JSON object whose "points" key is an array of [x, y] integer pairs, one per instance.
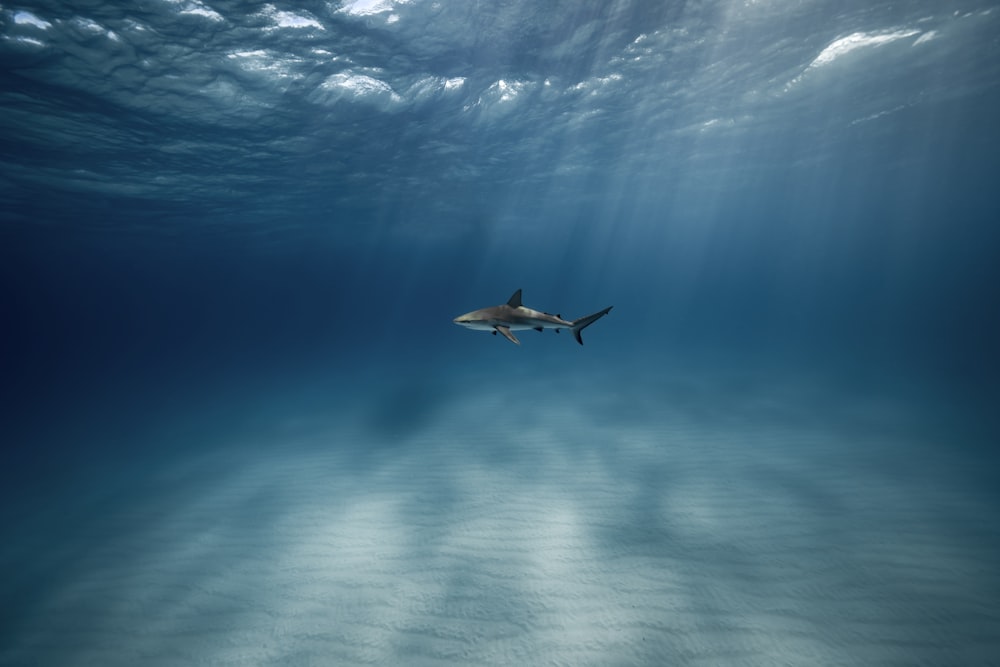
{"points": [[584, 322]]}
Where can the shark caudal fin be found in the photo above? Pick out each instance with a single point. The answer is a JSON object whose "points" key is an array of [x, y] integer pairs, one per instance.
{"points": [[584, 322]]}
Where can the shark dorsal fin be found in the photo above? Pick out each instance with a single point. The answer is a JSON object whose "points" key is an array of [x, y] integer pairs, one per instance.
{"points": [[515, 300]]}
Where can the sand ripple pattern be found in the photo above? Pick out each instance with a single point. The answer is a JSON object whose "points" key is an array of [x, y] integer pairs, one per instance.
{"points": [[555, 540]]}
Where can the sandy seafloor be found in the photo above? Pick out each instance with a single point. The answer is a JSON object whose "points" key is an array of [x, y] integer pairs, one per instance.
{"points": [[662, 523]]}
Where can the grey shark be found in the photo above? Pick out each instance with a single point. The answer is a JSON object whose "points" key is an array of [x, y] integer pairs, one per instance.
{"points": [[512, 316]]}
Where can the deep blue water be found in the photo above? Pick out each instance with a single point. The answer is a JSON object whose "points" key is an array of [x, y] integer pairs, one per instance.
{"points": [[240, 427]]}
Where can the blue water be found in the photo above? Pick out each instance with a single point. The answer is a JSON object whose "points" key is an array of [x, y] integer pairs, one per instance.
{"points": [[240, 427]]}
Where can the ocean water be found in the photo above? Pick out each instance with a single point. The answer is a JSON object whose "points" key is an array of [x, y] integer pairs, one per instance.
{"points": [[239, 426]]}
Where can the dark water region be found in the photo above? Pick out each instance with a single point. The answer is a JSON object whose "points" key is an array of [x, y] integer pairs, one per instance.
{"points": [[240, 427]]}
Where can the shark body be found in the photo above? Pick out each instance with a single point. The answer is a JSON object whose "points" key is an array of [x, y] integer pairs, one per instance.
{"points": [[512, 316]]}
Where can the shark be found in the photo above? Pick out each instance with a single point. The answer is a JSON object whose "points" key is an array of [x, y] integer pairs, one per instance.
{"points": [[513, 316]]}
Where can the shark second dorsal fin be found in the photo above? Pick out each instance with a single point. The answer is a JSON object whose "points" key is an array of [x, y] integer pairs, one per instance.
{"points": [[515, 300]]}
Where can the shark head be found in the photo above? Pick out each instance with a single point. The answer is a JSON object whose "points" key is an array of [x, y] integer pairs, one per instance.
{"points": [[477, 319]]}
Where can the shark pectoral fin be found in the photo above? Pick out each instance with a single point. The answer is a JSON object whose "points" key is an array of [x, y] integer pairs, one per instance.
{"points": [[508, 335], [539, 329]]}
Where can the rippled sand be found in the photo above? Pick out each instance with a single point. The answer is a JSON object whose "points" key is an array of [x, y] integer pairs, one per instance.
{"points": [[492, 529]]}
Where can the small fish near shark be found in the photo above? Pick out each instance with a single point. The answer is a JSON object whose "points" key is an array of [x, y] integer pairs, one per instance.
{"points": [[512, 316]]}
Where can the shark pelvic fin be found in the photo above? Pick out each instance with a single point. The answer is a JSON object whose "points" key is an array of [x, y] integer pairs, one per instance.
{"points": [[515, 300], [507, 334]]}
